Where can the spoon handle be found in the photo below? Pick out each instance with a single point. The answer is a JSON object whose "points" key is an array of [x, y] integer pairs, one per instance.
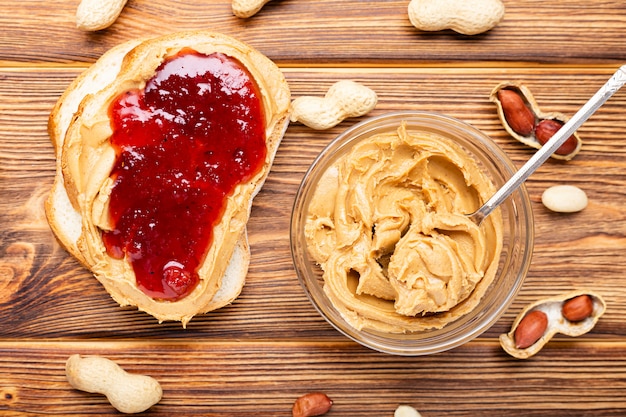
{"points": [[599, 98]]}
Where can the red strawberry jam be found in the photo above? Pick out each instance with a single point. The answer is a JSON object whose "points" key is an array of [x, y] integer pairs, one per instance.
{"points": [[183, 143]]}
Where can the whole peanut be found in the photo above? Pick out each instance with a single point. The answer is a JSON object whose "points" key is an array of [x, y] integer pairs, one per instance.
{"points": [[530, 329], [247, 8], [128, 393], [462, 16], [311, 404], [547, 128], [92, 15], [578, 308], [342, 100], [517, 114]]}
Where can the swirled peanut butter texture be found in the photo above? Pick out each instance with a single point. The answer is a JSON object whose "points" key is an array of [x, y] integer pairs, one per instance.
{"points": [[388, 226]]}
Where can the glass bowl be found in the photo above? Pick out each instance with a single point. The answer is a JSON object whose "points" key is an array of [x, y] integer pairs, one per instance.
{"points": [[518, 235]]}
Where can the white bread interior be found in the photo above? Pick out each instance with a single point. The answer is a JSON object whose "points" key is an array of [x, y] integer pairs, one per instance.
{"points": [[79, 128]]}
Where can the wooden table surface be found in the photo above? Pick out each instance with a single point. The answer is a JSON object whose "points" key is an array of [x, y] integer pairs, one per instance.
{"points": [[256, 356]]}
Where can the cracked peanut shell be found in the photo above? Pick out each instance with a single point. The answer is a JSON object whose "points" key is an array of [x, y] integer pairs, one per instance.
{"points": [[557, 323], [531, 139]]}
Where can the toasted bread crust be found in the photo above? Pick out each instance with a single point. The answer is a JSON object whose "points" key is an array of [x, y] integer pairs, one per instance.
{"points": [[80, 135]]}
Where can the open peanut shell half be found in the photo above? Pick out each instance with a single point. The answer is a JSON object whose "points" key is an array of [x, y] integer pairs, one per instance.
{"points": [[544, 124], [557, 323]]}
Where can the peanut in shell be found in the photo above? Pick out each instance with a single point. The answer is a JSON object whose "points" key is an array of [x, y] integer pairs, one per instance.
{"points": [[534, 139], [557, 323]]}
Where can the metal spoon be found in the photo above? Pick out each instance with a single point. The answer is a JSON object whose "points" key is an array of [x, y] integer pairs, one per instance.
{"points": [[604, 93]]}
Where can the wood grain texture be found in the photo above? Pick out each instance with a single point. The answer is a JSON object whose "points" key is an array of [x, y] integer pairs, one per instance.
{"points": [[65, 293], [256, 356], [240, 379], [331, 32]]}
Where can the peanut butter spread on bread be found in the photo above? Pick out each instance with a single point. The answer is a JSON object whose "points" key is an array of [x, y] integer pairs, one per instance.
{"points": [[81, 130]]}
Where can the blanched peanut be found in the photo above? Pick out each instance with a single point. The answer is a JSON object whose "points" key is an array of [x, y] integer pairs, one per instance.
{"points": [[92, 15], [406, 411], [344, 99], [564, 198], [128, 393], [247, 8]]}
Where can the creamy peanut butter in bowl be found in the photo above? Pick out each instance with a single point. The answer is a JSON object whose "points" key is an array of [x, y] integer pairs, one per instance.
{"points": [[382, 244]]}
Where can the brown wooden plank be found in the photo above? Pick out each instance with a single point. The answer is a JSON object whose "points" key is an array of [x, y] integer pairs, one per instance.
{"points": [[242, 379], [332, 32]]}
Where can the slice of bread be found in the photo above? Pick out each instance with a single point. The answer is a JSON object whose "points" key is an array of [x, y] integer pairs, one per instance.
{"points": [[79, 129]]}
